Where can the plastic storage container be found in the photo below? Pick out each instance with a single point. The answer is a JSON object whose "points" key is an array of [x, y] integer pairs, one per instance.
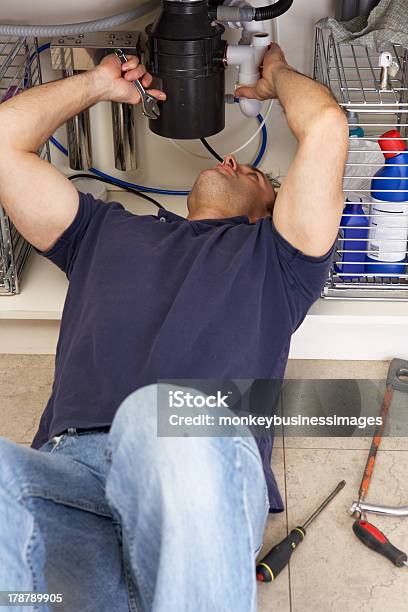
{"points": [[353, 239], [388, 233]]}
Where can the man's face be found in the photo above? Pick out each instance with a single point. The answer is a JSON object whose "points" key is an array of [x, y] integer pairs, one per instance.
{"points": [[231, 189]]}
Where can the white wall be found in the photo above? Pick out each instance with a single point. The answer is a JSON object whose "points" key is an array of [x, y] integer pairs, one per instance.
{"points": [[162, 164]]}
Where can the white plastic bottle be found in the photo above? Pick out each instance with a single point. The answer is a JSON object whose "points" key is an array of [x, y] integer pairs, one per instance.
{"points": [[388, 233]]}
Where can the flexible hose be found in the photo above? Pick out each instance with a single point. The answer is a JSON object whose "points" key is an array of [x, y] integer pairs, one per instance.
{"points": [[260, 128], [261, 151], [211, 150], [72, 177], [106, 23], [250, 13], [120, 182], [272, 11], [144, 189]]}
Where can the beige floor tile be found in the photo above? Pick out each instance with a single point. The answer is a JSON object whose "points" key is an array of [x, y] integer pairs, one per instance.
{"points": [[278, 441], [275, 596], [326, 368], [327, 443], [394, 443], [24, 390], [332, 571], [278, 431], [352, 397]]}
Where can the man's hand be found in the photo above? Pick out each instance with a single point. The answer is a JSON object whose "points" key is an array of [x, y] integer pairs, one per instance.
{"points": [[117, 78], [265, 89], [39, 200], [308, 207]]}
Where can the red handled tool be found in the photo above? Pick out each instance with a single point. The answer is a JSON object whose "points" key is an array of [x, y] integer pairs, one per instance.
{"points": [[376, 540], [365, 531], [396, 381]]}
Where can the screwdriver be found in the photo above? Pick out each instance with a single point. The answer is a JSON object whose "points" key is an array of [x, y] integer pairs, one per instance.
{"points": [[278, 557], [376, 540]]}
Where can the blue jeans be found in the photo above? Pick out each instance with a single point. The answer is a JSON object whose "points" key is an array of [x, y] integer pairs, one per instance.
{"points": [[129, 521]]}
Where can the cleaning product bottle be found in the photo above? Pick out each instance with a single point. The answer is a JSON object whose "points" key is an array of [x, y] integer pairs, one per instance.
{"points": [[388, 232], [353, 239], [355, 131]]}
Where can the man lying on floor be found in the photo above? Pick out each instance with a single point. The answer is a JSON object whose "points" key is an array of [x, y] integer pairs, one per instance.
{"points": [[101, 509]]}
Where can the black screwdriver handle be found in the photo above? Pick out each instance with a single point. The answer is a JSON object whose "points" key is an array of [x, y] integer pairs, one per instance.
{"points": [[278, 557], [376, 540]]}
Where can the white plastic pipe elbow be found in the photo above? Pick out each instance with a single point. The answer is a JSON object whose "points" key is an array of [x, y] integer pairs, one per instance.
{"points": [[248, 57], [250, 108]]}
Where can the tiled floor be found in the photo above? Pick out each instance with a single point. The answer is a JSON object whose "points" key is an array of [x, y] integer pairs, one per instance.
{"points": [[331, 571]]}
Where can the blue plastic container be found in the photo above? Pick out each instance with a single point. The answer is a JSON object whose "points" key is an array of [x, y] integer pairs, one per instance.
{"points": [[354, 234], [388, 231]]}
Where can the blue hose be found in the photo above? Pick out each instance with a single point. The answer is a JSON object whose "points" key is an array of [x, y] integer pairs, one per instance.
{"points": [[118, 181], [264, 142], [143, 188], [42, 48]]}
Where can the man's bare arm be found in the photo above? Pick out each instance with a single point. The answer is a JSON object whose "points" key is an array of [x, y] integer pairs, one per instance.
{"points": [[40, 200], [308, 208]]}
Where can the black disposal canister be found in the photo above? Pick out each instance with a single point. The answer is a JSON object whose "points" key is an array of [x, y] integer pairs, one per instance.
{"points": [[186, 57]]}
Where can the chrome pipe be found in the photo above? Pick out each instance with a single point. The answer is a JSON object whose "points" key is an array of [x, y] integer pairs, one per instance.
{"points": [[79, 137], [79, 141], [362, 508], [124, 136]]}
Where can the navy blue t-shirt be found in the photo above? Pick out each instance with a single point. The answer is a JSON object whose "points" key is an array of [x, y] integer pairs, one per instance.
{"points": [[160, 297]]}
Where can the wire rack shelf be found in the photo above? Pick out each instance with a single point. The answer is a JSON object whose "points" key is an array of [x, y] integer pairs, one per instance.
{"points": [[375, 103], [19, 69]]}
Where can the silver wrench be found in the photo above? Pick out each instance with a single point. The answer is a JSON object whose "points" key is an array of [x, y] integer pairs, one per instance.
{"points": [[363, 508], [150, 107]]}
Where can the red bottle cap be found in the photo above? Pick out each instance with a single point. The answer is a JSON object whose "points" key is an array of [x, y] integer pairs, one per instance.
{"points": [[389, 145]]}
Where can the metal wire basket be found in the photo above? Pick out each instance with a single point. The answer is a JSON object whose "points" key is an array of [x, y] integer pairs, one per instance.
{"points": [[376, 100], [19, 69]]}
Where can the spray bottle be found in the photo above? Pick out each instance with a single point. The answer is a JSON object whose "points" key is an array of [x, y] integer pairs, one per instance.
{"points": [[388, 233]]}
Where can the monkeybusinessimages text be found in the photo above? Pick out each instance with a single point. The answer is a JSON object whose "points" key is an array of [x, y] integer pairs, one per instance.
{"points": [[181, 399]]}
